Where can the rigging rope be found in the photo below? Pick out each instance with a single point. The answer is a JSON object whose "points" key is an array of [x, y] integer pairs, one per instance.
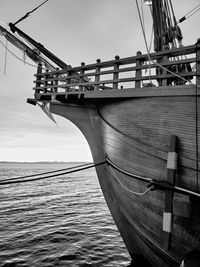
{"points": [[190, 13], [130, 191], [25, 62], [70, 170], [157, 184], [6, 53], [144, 35], [42, 173], [153, 184], [138, 177], [28, 14], [153, 61]]}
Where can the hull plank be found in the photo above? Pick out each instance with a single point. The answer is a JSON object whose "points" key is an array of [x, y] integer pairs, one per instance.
{"points": [[135, 134]]}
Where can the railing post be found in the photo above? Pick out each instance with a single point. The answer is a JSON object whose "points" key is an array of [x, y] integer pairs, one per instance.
{"points": [[68, 81], [116, 72], [45, 80], [55, 89], [82, 78], [97, 75], [39, 78], [164, 71], [138, 71], [198, 63]]}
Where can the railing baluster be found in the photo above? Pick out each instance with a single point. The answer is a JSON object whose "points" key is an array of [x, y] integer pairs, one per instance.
{"points": [[38, 77], [82, 78], [45, 80], [97, 76], [68, 81], [109, 74], [138, 71], [198, 63], [116, 72], [55, 89], [164, 71]]}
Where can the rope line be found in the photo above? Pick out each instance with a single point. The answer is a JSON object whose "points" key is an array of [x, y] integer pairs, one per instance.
{"points": [[192, 10], [43, 173], [7, 182], [138, 177], [157, 184], [145, 39], [25, 62], [190, 13], [153, 184], [28, 14], [130, 191], [17, 56], [153, 61]]}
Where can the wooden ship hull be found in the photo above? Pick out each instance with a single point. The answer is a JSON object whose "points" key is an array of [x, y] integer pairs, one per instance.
{"points": [[140, 116], [148, 137], [135, 135]]}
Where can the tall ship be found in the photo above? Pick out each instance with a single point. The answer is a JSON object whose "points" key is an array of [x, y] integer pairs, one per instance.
{"points": [[141, 118]]}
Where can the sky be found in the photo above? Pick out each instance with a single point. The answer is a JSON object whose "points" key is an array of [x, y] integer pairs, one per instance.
{"points": [[75, 31]]}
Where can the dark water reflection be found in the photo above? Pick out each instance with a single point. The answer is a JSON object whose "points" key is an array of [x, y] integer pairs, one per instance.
{"points": [[56, 222]]}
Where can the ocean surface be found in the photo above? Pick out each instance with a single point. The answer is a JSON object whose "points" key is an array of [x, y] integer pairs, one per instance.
{"points": [[61, 221]]}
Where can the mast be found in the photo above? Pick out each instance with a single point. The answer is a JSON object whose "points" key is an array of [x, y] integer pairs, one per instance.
{"points": [[167, 33]]}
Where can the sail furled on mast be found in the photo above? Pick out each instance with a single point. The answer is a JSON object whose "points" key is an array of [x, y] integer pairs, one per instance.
{"points": [[167, 33]]}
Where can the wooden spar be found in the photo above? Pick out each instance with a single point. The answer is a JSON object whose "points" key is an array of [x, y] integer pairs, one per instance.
{"points": [[171, 174], [40, 47]]}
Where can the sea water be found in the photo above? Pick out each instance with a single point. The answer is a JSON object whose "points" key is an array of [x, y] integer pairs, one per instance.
{"points": [[61, 221]]}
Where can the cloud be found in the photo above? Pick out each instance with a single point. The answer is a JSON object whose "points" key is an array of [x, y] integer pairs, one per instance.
{"points": [[75, 30]]}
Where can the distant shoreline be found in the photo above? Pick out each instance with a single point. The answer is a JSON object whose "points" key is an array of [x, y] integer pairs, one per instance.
{"points": [[43, 162]]}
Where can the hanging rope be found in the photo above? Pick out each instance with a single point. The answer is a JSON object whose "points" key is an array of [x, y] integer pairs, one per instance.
{"points": [[17, 180], [46, 64], [17, 56], [145, 39], [157, 184], [138, 177], [153, 61], [130, 191]]}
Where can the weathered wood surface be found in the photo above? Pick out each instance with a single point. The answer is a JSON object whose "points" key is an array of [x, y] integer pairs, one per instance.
{"points": [[135, 134], [133, 126], [164, 69]]}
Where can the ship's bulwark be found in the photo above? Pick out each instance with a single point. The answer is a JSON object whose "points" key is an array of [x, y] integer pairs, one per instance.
{"points": [[135, 135]]}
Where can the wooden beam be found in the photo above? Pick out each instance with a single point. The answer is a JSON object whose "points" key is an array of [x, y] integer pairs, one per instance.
{"points": [[169, 194]]}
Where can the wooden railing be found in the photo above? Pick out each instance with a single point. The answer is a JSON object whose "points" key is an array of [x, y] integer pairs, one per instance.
{"points": [[157, 69]]}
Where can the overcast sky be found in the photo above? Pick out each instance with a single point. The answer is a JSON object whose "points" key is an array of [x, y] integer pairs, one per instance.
{"points": [[76, 31]]}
